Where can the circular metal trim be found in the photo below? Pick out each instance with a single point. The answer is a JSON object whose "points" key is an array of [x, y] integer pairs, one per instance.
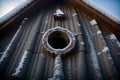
{"points": [[47, 46]]}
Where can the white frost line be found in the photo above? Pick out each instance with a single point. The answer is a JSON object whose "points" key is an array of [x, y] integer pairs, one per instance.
{"points": [[110, 58], [25, 18], [42, 55], [105, 49], [94, 59], [70, 70], [58, 71], [58, 67], [42, 32], [15, 11], [118, 43], [5, 53], [101, 10], [74, 14], [58, 12], [46, 21], [93, 56], [78, 24], [47, 18], [21, 64], [93, 22], [99, 32], [99, 53], [82, 43], [113, 38]]}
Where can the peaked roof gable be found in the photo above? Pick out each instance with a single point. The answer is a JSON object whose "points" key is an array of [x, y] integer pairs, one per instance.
{"points": [[83, 5]]}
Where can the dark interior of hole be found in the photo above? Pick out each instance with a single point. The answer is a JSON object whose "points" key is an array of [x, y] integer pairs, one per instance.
{"points": [[58, 40]]}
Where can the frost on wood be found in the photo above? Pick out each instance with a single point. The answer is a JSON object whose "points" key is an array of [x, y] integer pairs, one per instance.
{"points": [[78, 24], [58, 71], [21, 64], [69, 70], [82, 43], [74, 14], [24, 20], [58, 13], [113, 38], [99, 32], [93, 22], [5, 53], [105, 49], [101, 10], [99, 53], [93, 56], [15, 11], [94, 60], [118, 43], [110, 58]]}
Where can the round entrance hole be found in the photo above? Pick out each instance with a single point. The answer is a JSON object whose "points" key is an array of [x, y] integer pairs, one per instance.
{"points": [[58, 40]]}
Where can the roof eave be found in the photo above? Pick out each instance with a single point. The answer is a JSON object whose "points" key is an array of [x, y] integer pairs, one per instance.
{"points": [[82, 6], [93, 13]]}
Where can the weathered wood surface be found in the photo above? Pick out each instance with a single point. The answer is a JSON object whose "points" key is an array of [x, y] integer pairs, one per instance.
{"points": [[101, 18], [78, 64]]}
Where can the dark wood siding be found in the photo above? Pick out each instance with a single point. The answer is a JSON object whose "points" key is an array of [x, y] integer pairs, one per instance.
{"points": [[79, 64]]}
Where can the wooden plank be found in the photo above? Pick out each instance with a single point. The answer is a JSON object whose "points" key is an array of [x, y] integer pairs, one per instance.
{"points": [[102, 19]]}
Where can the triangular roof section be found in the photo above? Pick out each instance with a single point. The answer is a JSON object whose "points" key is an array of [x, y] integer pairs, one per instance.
{"points": [[86, 6]]}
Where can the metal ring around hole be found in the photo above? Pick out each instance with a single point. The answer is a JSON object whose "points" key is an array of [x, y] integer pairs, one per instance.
{"points": [[66, 49]]}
